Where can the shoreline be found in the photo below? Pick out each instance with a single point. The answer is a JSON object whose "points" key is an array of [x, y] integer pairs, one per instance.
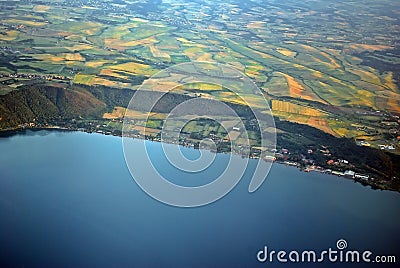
{"points": [[375, 185]]}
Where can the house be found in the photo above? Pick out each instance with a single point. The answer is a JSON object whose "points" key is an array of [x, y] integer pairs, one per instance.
{"points": [[338, 173], [285, 151], [269, 158], [363, 143], [361, 176], [349, 173]]}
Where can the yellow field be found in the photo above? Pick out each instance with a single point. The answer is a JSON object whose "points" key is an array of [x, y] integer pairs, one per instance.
{"points": [[286, 52], [206, 57], [365, 75], [345, 129], [184, 40], [96, 64], [88, 7], [49, 57], [308, 48], [41, 8], [163, 86], [365, 47], [264, 55], [368, 138], [60, 57], [109, 72], [157, 53], [79, 47], [70, 36], [329, 62], [31, 17], [91, 80], [85, 79], [364, 97], [317, 74], [296, 89], [9, 36], [73, 57], [251, 72], [87, 27], [393, 103], [389, 81], [120, 112], [121, 30], [200, 86], [332, 62], [139, 20], [24, 22], [321, 124], [134, 68], [194, 52], [123, 45], [108, 83], [284, 106], [233, 135], [244, 99], [342, 132], [301, 119]]}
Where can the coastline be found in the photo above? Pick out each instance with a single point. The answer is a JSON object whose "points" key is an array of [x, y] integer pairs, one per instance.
{"points": [[20, 130], [374, 183]]}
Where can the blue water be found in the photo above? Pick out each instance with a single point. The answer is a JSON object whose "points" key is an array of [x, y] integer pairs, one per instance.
{"points": [[68, 200]]}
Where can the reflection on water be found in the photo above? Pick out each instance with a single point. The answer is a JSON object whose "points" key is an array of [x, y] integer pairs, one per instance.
{"points": [[67, 199]]}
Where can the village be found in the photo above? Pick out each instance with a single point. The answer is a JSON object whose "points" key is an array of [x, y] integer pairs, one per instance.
{"points": [[280, 155]]}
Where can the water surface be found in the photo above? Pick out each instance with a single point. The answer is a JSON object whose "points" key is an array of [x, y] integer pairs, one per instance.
{"points": [[68, 200]]}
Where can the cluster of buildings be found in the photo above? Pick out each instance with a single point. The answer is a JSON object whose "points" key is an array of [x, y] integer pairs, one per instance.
{"points": [[36, 76]]}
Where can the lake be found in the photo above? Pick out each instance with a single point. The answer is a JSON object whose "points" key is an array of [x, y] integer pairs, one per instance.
{"points": [[67, 199]]}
